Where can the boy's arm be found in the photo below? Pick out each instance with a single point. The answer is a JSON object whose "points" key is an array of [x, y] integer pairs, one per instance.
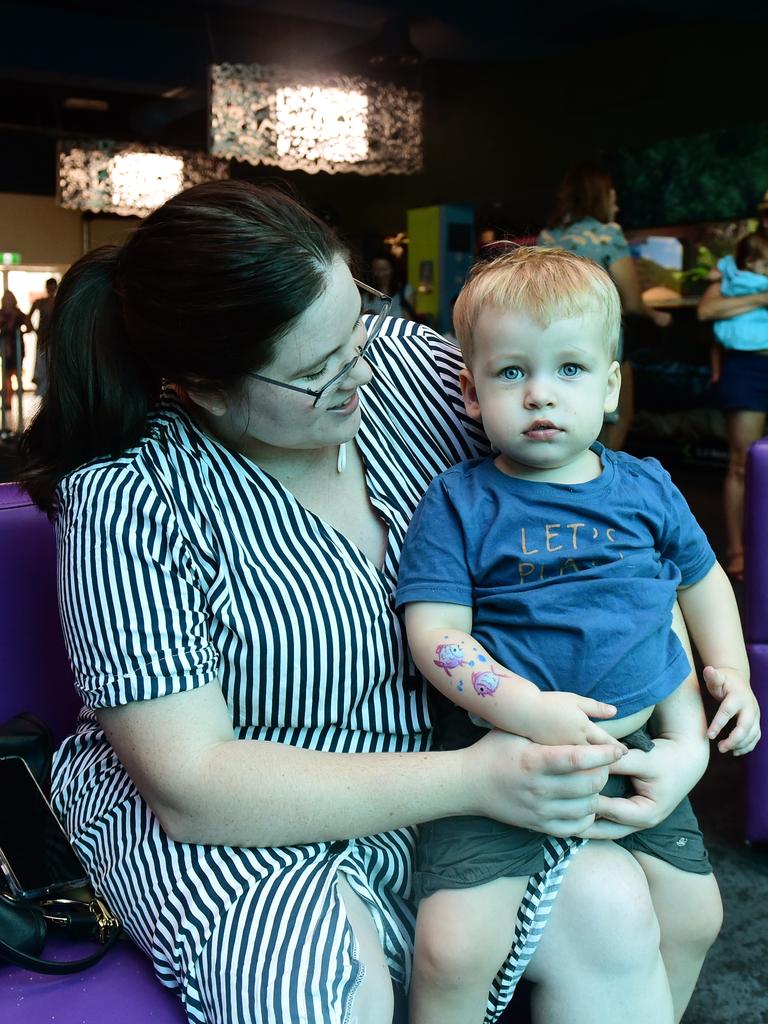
{"points": [[712, 617], [456, 664]]}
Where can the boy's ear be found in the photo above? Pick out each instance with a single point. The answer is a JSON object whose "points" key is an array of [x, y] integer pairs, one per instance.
{"points": [[469, 393], [613, 389]]}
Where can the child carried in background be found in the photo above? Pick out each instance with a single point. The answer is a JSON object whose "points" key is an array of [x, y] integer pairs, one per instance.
{"points": [[740, 368], [539, 586], [745, 273]]}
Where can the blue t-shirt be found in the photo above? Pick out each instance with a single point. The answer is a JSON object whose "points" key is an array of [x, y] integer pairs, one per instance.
{"points": [[602, 243], [571, 586], [747, 332]]}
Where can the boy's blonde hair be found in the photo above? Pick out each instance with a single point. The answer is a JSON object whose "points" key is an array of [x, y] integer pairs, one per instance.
{"points": [[546, 284]]}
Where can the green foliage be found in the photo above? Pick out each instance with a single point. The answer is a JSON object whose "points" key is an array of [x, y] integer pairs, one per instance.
{"points": [[717, 175], [694, 280]]}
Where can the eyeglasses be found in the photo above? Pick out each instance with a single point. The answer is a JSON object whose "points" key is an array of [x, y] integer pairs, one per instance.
{"points": [[347, 368]]}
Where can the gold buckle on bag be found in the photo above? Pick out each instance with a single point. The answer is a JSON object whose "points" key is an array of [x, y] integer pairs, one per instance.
{"points": [[105, 919], [87, 916]]}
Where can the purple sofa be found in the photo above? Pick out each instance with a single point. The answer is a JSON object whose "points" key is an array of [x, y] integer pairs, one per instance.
{"points": [[756, 631], [35, 676]]}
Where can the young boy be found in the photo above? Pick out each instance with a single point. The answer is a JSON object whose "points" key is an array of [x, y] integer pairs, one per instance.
{"points": [[539, 587]]}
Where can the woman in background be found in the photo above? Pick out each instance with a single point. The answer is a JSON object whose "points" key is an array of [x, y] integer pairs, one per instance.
{"points": [[583, 222], [12, 321], [44, 308], [737, 302], [385, 277]]}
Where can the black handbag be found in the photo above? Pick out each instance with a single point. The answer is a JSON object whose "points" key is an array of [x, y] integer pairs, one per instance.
{"points": [[80, 913]]}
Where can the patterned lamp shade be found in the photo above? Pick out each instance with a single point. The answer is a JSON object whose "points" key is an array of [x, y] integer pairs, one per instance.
{"points": [[128, 178], [303, 121]]}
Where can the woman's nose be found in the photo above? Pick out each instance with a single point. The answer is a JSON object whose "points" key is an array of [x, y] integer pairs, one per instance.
{"points": [[361, 372]]}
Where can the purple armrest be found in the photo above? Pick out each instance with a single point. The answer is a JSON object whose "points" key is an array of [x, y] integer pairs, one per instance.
{"points": [[756, 631], [35, 671], [35, 676]]}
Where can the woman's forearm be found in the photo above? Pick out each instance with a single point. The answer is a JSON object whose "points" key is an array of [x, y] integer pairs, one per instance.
{"points": [[207, 787], [713, 305], [625, 277], [278, 795], [251, 793]]}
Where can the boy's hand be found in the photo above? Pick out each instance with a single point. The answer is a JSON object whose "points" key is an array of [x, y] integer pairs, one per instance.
{"points": [[557, 718], [736, 701]]}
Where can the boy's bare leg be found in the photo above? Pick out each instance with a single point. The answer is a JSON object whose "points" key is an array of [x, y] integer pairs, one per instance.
{"points": [[690, 913], [598, 960], [462, 938]]}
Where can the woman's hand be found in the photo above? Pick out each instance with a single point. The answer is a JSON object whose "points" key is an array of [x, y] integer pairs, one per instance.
{"points": [[661, 777], [547, 789], [660, 317]]}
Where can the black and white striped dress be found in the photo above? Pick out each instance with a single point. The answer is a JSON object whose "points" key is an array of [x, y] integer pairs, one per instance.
{"points": [[182, 564]]}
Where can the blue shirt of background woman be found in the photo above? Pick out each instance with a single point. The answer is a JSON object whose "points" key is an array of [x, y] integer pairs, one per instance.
{"points": [[603, 243]]}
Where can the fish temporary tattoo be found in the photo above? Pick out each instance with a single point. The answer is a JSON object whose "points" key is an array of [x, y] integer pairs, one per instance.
{"points": [[486, 682], [449, 656]]}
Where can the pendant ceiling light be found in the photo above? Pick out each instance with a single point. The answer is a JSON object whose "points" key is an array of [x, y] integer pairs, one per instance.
{"points": [[101, 176], [307, 121]]}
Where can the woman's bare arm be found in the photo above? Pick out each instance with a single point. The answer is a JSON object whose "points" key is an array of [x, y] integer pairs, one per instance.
{"points": [[624, 274], [207, 787], [713, 305]]}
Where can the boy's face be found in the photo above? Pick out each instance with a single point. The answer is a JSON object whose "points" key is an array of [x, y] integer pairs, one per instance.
{"points": [[541, 392]]}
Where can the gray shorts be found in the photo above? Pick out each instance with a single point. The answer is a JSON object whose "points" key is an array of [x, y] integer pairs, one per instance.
{"points": [[463, 852]]}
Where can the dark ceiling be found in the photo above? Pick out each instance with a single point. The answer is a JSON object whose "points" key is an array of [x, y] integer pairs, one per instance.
{"points": [[138, 71], [142, 65]]}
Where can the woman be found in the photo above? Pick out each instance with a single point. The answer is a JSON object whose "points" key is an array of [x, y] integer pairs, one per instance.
{"points": [[44, 308], [583, 222], [384, 276], [227, 559], [12, 322], [741, 374]]}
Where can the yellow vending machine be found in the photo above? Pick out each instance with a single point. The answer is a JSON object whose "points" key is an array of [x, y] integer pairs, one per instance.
{"points": [[440, 252]]}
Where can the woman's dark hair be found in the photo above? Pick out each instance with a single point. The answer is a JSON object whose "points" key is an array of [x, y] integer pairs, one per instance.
{"points": [[750, 248], [199, 295], [397, 280], [585, 191], [384, 254]]}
